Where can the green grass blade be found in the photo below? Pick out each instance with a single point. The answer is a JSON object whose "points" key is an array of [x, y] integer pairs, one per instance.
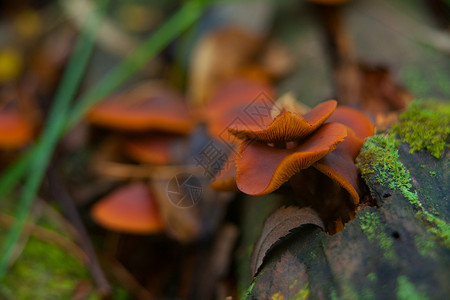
{"points": [[14, 173], [54, 127]]}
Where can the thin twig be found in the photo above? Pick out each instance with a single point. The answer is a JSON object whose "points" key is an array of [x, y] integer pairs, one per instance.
{"points": [[46, 235], [8, 221], [60, 193]]}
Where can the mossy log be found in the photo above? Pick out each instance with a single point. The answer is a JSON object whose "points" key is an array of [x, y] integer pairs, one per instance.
{"points": [[399, 249]]}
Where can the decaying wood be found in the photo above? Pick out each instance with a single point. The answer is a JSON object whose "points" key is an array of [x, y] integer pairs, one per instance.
{"points": [[387, 252]]}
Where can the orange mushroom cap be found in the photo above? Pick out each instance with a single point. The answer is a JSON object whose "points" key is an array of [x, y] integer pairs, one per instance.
{"points": [[145, 107], [262, 169], [225, 180], [235, 102], [129, 209], [339, 165], [325, 140], [15, 130], [155, 149], [287, 126], [354, 119]]}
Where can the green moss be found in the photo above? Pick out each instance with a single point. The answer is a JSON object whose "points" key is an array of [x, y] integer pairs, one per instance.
{"points": [[348, 292], [424, 245], [372, 277], [368, 294], [247, 294], [313, 255], [333, 294], [301, 294], [425, 125], [432, 173], [407, 291], [374, 230], [380, 153], [45, 270]]}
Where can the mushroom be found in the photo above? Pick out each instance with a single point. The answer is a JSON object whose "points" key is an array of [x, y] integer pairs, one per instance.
{"points": [[154, 115], [261, 168], [329, 142], [129, 209], [153, 149], [339, 164], [146, 107], [15, 130], [287, 126]]}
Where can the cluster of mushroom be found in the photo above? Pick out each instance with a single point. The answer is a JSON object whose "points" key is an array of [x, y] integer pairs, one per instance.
{"points": [[152, 117], [306, 149], [327, 138], [157, 126], [267, 154]]}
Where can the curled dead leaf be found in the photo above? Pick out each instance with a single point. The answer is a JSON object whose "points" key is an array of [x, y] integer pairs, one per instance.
{"points": [[277, 226]]}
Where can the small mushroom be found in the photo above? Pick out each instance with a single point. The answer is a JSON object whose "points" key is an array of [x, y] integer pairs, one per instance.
{"points": [[261, 169], [15, 130], [154, 149], [146, 107], [129, 209], [354, 119], [325, 138], [339, 165]]}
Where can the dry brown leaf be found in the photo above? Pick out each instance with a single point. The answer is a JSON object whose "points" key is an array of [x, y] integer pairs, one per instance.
{"points": [[277, 226]]}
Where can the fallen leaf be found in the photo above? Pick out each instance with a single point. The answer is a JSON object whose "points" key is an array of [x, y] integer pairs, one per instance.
{"points": [[277, 226]]}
